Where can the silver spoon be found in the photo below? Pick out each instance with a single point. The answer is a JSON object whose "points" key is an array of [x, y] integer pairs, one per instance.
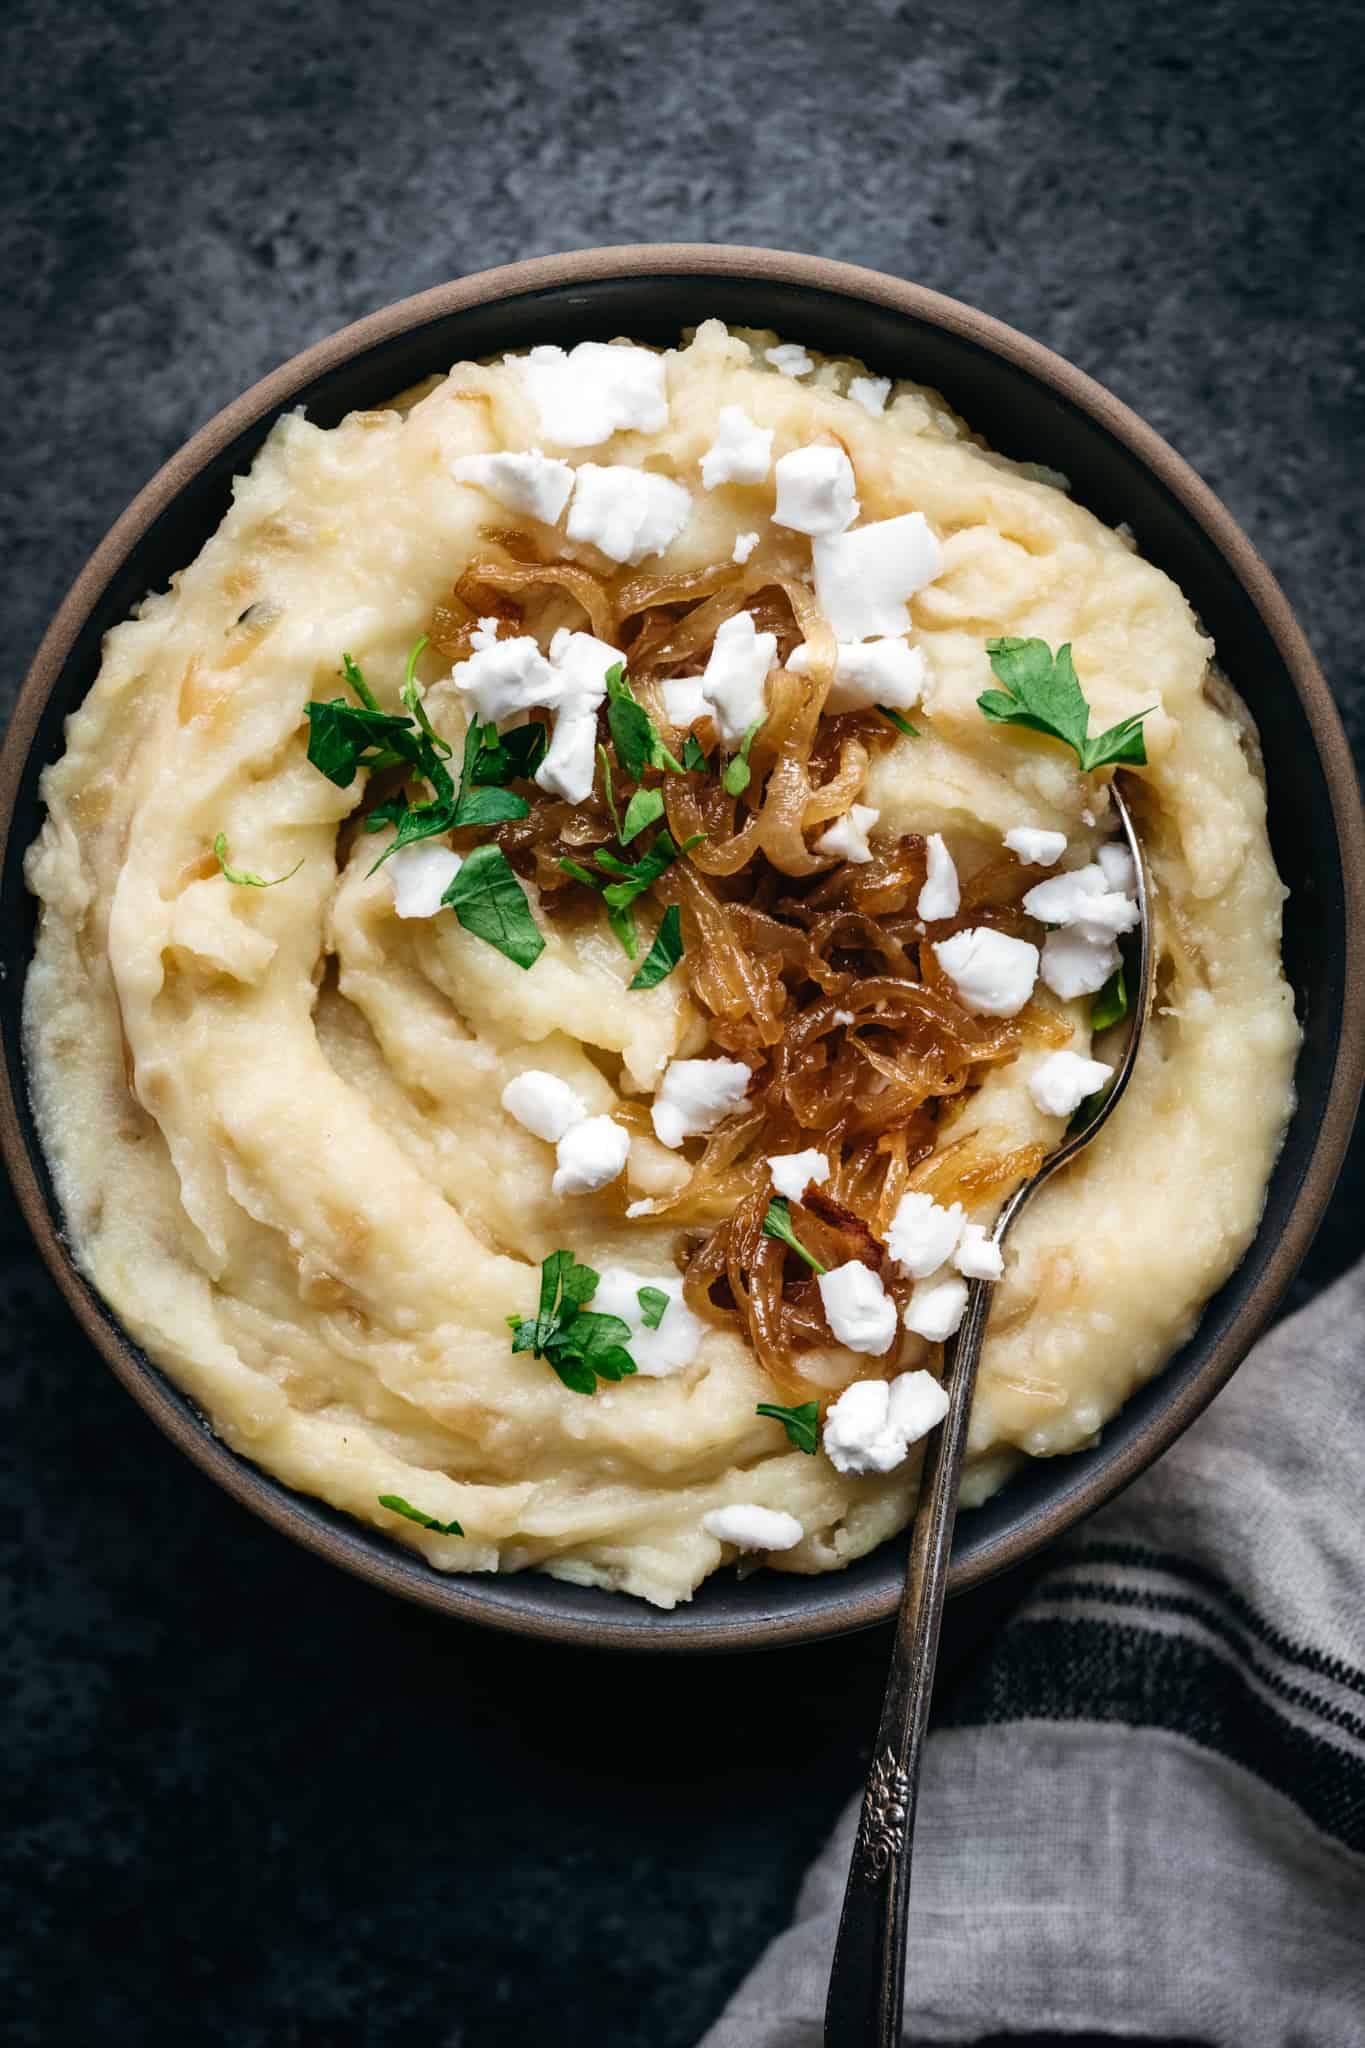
{"points": [[867, 1982]]}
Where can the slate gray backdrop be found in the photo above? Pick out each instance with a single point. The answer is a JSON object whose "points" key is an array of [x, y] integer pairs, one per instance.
{"points": [[255, 1803]]}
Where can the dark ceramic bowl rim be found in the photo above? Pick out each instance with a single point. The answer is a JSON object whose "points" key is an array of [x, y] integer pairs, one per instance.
{"points": [[630, 1626]]}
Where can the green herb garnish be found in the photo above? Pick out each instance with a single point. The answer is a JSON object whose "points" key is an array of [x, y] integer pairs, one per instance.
{"points": [[634, 734], [694, 754], [777, 1223], [664, 955], [633, 878], [415, 705], [901, 723], [1042, 692], [480, 800], [244, 880], [489, 901], [801, 1424], [582, 1345], [736, 777], [1110, 1006], [653, 1305], [399, 1506], [644, 808]]}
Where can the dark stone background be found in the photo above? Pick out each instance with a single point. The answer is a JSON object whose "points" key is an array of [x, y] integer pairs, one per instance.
{"points": [[253, 1803]]}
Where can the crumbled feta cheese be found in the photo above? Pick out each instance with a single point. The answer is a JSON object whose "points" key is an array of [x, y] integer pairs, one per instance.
{"points": [[506, 676], [993, 973], [936, 1307], [694, 1096], [736, 672], [567, 768], [580, 664], [868, 672], [816, 491], [668, 1347], [874, 1422], [790, 358], [871, 393], [589, 1155], [642, 1208], [978, 1256], [1118, 868], [1035, 847], [484, 634], [742, 452], [940, 895], [526, 482], [858, 1309], [794, 1172], [543, 1104], [745, 543], [846, 838], [844, 1017], [596, 390], [684, 700], [923, 1234], [419, 876], [864, 579], [750, 1527], [1081, 898], [1060, 1083], [1075, 964], [627, 513]]}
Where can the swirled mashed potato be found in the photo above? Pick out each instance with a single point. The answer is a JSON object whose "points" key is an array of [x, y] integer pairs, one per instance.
{"points": [[274, 1115]]}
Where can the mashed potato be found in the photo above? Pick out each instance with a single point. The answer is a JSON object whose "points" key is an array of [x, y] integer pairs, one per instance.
{"points": [[274, 1114]]}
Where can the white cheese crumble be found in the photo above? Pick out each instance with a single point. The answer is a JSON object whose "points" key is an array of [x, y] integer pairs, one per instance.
{"points": [[868, 672], [941, 894], [1081, 899], [846, 838], [502, 677], [627, 513], [745, 543], [874, 1422], [1060, 1083], [589, 1155], [694, 1096], [1118, 868], [871, 393], [978, 1256], [580, 663], [526, 482], [668, 1347], [1076, 965], [936, 1307], [543, 1104], [595, 391], [923, 1234], [858, 1309], [1036, 847], [992, 972], [750, 1527], [419, 877], [793, 1172], [864, 579], [816, 491], [736, 672], [684, 700], [790, 358], [742, 452]]}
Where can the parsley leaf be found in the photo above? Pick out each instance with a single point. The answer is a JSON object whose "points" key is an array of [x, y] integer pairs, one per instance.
{"points": [[644, 807], [581, 1345], [801, 1424], [634, 734], [489, 901], [654, 1305], [480, 801], [633, 878], [399, 1506], [1042, 692], [778, 1223], [510, 756], [897, 718], [351, 670], [343, 737], [244, 880], [694, 754], [415, 705], [1111, 1004], [736, 776], [664, 955]]}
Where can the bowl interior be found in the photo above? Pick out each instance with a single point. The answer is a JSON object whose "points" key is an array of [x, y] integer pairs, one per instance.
{"points": [[1021, 416]]}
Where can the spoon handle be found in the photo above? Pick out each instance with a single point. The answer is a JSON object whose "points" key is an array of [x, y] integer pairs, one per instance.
{"points": [[867, 1983]]}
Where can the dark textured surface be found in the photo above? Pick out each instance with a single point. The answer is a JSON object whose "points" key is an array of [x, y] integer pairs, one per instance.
{"points": [[255, 1803]]}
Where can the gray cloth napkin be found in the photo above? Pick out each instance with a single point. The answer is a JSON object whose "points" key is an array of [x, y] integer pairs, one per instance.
{"points": [[1143, 1805]]}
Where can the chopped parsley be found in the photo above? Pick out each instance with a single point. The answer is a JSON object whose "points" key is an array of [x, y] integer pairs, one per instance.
{"points": [[778, 1223], [644, 808], [801, 1424], [664, 955], [1111, 1004], [581, 1345], [399, 1506], [736, 777], [489, 901], [653, 1305], [1042, 692], [243, 879], [694, 754], [634, 734], [899, 720], [633, 877]]}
